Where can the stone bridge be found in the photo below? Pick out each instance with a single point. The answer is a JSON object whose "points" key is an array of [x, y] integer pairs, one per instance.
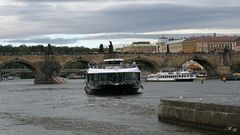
{"points": [[45, 67]]}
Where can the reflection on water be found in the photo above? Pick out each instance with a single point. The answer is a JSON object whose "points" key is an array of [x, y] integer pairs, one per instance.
{"points": [[65, 109]]}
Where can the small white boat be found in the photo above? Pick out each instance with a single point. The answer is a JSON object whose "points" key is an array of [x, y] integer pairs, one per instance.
{"points": [[171, 76]]}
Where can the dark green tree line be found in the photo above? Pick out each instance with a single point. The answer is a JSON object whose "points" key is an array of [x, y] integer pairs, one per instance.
{"points": [[40, 49]]}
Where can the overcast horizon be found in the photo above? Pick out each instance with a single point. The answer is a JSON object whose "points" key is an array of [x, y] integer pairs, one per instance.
{"points": [[91, 22]]}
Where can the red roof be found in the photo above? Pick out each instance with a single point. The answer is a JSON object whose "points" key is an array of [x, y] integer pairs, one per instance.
{"points": [[192, 66], [216, 38]]}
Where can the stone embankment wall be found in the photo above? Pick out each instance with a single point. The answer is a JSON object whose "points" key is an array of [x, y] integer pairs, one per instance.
{"points": [[204, 115]]}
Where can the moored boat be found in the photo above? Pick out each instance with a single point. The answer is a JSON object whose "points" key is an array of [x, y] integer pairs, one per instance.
{"points": [[231, 77], [113, 77], [172, 76]]}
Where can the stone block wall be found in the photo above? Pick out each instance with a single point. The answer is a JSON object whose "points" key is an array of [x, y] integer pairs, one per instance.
{"points": [[206, 115]]}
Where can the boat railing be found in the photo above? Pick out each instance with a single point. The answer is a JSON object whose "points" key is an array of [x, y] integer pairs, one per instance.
{"points": [[115, 83], [111, 66]]}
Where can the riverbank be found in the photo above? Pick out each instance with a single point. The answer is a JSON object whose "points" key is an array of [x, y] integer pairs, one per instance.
{"points": [[201, 113]]}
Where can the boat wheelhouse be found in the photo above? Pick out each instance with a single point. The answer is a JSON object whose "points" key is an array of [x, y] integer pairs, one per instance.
{"points": [[113, 77], [168, 76]]}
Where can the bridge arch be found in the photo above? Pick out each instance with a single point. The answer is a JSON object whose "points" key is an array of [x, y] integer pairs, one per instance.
{"points": [[76, 60], [235, 68], [210, 69], [154, 67], [74, 67], [34, 68]]}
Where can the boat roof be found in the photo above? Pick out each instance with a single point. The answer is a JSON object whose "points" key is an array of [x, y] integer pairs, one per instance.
{"points": [[113, 60], [113, 70]]}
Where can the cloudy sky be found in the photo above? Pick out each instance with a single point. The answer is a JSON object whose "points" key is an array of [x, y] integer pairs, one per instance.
{"points": [[91, 22]]}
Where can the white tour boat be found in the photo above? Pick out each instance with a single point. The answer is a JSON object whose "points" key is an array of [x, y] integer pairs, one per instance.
{"points": [[113, 77], [168, 76]]}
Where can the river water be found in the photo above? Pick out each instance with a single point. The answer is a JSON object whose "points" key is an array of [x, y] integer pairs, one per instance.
{"points": [[28, 109]]}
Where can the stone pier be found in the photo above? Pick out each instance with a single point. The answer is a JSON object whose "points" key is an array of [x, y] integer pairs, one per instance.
{"points": [[198, 113]]}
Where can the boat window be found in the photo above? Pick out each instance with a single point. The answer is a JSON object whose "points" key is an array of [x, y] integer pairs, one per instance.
{"points": [[90, 77], [138, 76], [113, 77], [120, 77], [134, 76], [114, 62], [95, 77], [127, 76], [131, 76], [103, 77]]}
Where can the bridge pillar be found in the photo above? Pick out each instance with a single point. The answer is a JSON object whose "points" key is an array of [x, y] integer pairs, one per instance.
{"points": [[49, 69], [223, 70], [41, 78]]}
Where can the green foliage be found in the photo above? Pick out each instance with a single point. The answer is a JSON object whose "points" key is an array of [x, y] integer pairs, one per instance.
{"points": [[40, 49], [77, 65]]}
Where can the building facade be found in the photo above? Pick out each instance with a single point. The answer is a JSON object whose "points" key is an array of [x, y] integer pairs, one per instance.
{"points": [[139, 47], [159, 44], [173, 46], [211, 44], [190, 45]]}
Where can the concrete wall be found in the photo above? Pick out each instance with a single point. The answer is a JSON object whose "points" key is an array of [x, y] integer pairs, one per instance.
{"points": [[212, 116]]}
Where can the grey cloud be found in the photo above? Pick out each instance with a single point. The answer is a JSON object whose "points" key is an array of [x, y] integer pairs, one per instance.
{"points": [[58, 0], [166, 16], [184, 2], [81, 0], [125, 17], [46, 40]]}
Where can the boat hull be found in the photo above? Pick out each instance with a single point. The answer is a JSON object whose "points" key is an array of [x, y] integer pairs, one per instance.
{"points": [[185, 80], [112, 89], [175, 80]]}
